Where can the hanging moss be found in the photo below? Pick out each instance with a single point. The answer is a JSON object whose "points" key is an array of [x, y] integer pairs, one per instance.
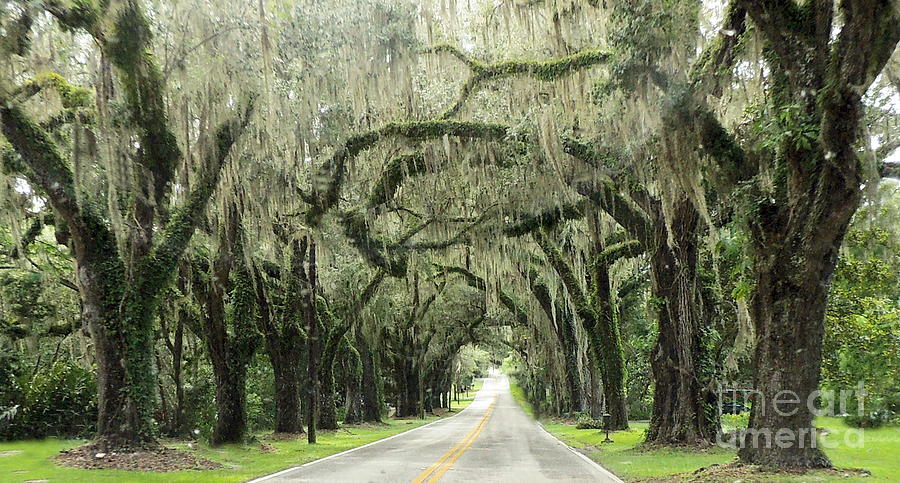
{"points": [[37, 156], [717, 60], [372, 249], [16, 38], [397, 170], [607, 197], [158, 268], [78, 14], [128, 47], [479, 283]]}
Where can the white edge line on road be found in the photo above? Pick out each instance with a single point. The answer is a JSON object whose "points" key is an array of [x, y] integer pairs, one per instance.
{"points": [[294, 468], [581, 455]]}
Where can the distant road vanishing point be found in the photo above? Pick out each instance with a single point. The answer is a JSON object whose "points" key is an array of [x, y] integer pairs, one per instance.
{"points": [[492, 440]]}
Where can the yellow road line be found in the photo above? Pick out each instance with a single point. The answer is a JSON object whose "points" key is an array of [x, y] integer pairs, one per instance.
{"points": [[437, 475], [461, 446]]}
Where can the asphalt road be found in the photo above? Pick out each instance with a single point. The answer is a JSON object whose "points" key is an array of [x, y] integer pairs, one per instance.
{"points": [[491, 440]]}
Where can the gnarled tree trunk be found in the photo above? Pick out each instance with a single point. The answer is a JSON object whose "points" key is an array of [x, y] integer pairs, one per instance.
{"points": [[684, 410]]}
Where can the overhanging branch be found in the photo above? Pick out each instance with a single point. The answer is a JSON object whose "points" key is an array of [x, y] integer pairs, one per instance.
{"points": [[527, 223], [330, 177], [543, 70]]}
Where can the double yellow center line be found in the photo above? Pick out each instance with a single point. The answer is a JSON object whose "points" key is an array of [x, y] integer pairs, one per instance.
{"points": [[442, 465]]}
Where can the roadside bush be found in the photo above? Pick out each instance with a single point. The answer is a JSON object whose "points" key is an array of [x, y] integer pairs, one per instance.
{"points": [[878, 411], [199, 402], [732, 422], [583, 420], [874, 419], [60, 401]]}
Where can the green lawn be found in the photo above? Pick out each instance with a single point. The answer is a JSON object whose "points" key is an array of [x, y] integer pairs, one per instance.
{"points": [[33, 460], [879, 454]]}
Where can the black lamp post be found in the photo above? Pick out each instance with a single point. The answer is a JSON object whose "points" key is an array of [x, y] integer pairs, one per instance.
{"points": [[606, 418]]}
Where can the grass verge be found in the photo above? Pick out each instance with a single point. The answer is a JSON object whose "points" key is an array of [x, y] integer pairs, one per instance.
{"points": [[878, 453], [23, 461]]}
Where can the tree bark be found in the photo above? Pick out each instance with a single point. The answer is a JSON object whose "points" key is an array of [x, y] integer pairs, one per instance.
{"points": [[371, 394], [287, 392], [684, 410], [600, 325], [353, 412], [563, 323], [231, 398], [281, 335]]}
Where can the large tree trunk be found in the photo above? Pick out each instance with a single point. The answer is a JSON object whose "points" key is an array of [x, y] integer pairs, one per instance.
{"points": [[121, 326], [684, 409], [795, 262], [120, 425], [410, 390], [353, 412], [287, 393], [231, 397], [405, 377], [790, 327], [283, 345], [371, 395]]}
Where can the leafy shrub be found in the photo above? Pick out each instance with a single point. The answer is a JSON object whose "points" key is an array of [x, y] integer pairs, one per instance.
{"points": [[583, 420], [60, 401], [260, 395], [199, 402], [874, 419], [735, 421], [10, 392]]}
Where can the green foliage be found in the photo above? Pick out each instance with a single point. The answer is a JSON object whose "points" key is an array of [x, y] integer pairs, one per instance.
{"points": [[260, 395], [60, 401], [863, 318], [22, 298], [790, 125], [868, 420]]}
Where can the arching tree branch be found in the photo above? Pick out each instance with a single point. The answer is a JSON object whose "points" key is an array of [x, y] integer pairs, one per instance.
{"points": [[330, 177], [543, 70]]}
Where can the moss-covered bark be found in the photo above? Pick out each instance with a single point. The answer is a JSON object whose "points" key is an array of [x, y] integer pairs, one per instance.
{"points": [[543, 70]]}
